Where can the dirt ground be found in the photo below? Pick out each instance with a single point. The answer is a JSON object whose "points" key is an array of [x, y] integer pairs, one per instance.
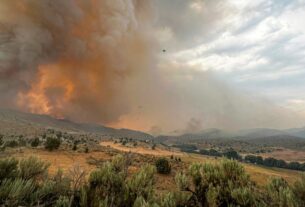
{"points": [[141, 149]]}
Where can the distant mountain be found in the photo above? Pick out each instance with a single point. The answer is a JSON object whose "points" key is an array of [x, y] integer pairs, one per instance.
{"points": [[287, 141], [211, 133], [11, 120], [261, 132], [299, 132], [257, 137]]}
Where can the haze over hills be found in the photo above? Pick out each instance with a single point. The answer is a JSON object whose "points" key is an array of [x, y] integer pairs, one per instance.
{"points": [[16, 120], [20, 122], [288, 138]]}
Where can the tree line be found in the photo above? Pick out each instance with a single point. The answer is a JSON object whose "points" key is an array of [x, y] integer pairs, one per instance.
{"points": [[232, 154]]}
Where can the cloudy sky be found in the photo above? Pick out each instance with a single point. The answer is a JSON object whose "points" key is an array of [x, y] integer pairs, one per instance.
{"points": [[256, 46]]}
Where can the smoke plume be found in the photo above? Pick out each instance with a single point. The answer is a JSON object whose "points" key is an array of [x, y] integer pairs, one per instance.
{"points": [[96, 61], [71, 58]]}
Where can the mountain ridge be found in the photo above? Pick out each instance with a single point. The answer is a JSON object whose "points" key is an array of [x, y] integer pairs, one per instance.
{"points": [[15, 119]]}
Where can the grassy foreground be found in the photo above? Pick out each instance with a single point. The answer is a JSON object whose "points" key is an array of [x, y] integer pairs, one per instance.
{"points": [[26, 182]]}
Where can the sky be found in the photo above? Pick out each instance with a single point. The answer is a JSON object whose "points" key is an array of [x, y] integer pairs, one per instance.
{"points": [[256, 46], [161, 66]]}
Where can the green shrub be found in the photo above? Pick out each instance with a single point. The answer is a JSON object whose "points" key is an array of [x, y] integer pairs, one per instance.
{"points": [[1, 139], [224, 184], [74, 148], [140, 185], [16, 192], [280, 194], [32, 168], [21, 141], [63, 201], [11, 143], [86, 150], [163, 166], [8, 169], [52, 143], [35, 142], [299, 190]]}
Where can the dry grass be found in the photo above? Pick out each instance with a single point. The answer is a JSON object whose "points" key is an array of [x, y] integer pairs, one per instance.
{"points": [[287, 155], [64, 160], [140, 149], [140, 155]]}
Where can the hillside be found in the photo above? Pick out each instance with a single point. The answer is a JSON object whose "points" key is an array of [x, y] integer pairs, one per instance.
{"points": [[26, 123]]}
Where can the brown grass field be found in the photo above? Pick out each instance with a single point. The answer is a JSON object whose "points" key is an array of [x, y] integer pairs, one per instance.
{"points": [[287, 155], [141, 149]]}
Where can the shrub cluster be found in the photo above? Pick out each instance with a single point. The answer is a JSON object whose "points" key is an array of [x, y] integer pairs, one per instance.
{"points": [[52, 143], [27, 183], [230, 154]]}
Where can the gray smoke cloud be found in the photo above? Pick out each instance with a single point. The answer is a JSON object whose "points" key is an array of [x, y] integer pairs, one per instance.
{"points": [[71, 58], [98, 61]]}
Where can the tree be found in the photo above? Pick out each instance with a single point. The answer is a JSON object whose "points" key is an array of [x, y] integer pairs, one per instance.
{"points": [[259, 160], [163, 166], [294, 166], [281, 164], [52, 143], [232, 155], [251, 159], [270, 162]]}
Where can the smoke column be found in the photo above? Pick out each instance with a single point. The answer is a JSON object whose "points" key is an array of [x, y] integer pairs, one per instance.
{"points": [[70, 58], [96, 61]]}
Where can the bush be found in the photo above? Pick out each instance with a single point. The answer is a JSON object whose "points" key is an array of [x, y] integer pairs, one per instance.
{"points": [[86, 150], [109, 185], [11, 143], [21, 141], [32, 168], [8, 169], [299, 190], [35, 142], [224, 184], [52, 143], [1, 139], [279, 193], [163, 166]]}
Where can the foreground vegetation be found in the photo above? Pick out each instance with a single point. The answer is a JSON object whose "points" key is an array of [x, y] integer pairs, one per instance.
{"points": [[26, 183]]}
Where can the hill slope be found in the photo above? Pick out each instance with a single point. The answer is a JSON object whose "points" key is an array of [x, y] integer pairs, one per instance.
{"points": [[20, 122]]}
